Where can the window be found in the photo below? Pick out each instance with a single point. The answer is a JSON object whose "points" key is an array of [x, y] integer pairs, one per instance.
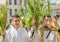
{"points": [[15, 11], [10, 21], [10, 2], [10, 12], [15, 2], [20, 2], [25, 2]]}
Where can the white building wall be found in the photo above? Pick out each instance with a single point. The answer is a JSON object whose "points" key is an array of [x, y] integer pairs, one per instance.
{"points": [[13, 7]]}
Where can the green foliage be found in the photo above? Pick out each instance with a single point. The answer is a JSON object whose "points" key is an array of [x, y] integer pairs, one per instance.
{"points": [[35, 9], [3, 17], [49, 10], [23, 20], [0, 30]]}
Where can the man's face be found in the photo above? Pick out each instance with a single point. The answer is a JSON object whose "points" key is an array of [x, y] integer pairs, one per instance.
{"points": [[48, 22], [56, 17], [16, 22]]}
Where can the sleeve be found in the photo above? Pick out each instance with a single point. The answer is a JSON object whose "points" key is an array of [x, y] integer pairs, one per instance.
{"points": [[8, 36], [55, 37]]}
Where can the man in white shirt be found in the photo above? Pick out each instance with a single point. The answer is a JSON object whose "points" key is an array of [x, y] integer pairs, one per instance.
{"points": [[49, 33], [12, 32]]}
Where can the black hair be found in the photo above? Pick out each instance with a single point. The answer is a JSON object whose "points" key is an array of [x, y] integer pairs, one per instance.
{"points": [[16, 16], [47, 15], [57, 15]]}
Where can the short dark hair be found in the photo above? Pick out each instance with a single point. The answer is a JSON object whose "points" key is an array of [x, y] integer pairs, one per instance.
{"points": [[57, 16], [47, 15], [16, 16]]}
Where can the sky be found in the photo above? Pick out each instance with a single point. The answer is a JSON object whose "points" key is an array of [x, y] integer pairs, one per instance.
{"points": [[57, 1]]}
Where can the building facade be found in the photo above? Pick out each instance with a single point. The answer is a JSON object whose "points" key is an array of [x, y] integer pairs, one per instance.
{"points": [[56, 9], [14, 7]]}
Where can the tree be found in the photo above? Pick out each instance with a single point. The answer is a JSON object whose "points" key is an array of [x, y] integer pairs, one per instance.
{"points": [[35, 9], [3, 19], [49, 4]]}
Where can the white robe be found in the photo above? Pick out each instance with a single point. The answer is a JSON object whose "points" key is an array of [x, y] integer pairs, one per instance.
{"points": [[24, 35], [52, 37], [16, 35], [12, 34]]}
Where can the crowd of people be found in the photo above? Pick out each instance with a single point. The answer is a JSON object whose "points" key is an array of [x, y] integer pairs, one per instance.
{"points": [[45, 33]]}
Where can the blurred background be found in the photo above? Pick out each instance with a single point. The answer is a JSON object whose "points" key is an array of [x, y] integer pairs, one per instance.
{"points": [[27, 9]]}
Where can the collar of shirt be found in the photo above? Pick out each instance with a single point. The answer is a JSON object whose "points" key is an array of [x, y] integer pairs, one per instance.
{"points": [[13, 27]]}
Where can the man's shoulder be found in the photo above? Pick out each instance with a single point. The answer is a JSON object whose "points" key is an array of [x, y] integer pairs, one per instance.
{"points": [[8, 31]]}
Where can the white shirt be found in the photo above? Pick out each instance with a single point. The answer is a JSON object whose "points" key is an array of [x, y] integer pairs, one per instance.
{"points": [[12, 35], [17, 35], [25, 36], [52, 37]]}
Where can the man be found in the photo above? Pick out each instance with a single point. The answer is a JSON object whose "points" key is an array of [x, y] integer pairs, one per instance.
{"points": [[15, 33], [48, 32], [12, 32]]}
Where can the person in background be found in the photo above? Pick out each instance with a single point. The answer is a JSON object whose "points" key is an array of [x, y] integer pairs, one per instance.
{"points": [[55, 21], [35, 37], [56, 17], [56, 25], [48, 34]]}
